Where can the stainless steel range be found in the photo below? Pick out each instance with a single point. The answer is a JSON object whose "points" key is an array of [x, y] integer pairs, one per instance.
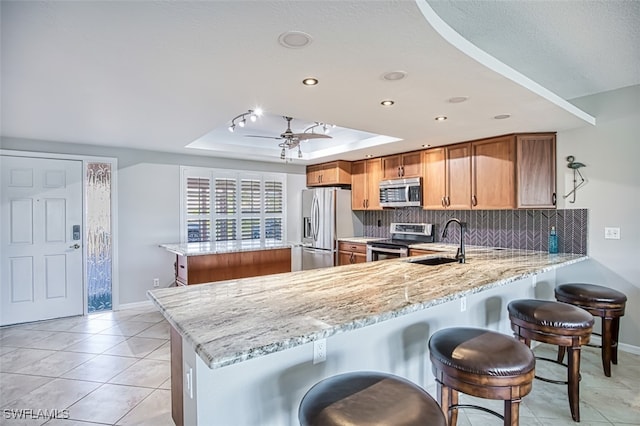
{"points": [[402, 236]]}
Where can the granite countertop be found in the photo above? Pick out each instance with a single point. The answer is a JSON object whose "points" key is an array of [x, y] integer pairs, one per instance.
{"points": [[360, 240], [200, 249], [232, 321]]}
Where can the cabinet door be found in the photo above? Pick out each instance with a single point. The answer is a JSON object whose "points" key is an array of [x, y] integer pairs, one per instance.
{"points": [[391, 167], [412, 164], [536, 163], [358, 185], [374, 176], [493, 182], [433, 185], [336, 173], [313, 175], [458, 172]]}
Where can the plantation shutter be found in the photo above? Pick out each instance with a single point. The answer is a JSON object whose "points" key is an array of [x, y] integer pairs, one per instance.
{"points": [[198, 209], [251, 196], [225, 209], [273, 208]]}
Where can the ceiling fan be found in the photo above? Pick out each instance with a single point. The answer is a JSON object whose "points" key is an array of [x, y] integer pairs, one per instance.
{"points": [[291, 140]]}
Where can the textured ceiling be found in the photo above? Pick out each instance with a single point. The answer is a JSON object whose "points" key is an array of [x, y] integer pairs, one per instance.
{"points": [[159, 75]]}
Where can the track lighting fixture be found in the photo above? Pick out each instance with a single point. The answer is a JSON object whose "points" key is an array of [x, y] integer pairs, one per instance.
{"points": [[242, 118], [326, 128]]}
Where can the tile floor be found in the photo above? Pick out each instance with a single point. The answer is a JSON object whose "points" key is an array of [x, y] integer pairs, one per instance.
{"points": [[113, 368]]}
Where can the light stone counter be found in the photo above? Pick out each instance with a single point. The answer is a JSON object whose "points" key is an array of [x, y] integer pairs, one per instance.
{"points": [[360, 240], [233, 321], [200, 249]]}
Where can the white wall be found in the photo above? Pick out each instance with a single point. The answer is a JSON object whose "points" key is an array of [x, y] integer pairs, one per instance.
{"points": [[611, 152]]}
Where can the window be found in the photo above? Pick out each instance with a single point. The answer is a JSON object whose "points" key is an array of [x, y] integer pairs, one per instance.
{"points": [[228, 206]]}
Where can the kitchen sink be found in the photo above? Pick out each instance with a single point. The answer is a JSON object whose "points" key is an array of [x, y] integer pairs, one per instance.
{"points": [[434, 261]]}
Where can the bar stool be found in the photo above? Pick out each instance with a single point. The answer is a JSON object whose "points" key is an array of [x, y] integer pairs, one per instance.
{"points": [[368, 398], [602, 302], [481, 363], [558, 324]]}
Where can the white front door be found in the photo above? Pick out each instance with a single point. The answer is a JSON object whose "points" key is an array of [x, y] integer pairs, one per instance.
{"points": [[41, 239]]}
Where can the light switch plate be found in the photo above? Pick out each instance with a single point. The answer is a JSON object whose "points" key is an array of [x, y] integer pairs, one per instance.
{"points": [[611, 233]]}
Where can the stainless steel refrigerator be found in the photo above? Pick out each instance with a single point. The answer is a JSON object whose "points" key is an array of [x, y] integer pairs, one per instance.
{"points": [[326, 216]]}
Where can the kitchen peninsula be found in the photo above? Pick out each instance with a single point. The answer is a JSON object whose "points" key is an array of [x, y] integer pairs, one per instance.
{"points": [[247, 345], [205, 262]]}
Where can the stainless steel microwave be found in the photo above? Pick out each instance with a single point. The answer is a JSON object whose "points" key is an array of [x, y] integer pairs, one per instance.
{"points": [[401, 192]]}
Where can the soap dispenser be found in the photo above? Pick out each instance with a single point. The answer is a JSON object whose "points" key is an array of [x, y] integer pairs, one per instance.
{"points": [[553, 240]]}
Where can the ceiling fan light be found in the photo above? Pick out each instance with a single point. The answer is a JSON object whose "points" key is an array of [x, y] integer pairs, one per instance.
{"points": [[283, 154], [299, 152]]}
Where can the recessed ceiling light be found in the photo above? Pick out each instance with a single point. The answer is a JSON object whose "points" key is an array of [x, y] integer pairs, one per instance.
{"points": [[426, 145], [387, 102], [440, 118], [369, 155], [458, 99], [310, 81], [502, 116], [294, 39], [394, 75]]}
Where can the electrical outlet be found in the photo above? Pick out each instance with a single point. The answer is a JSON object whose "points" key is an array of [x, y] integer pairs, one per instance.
{"points": [[156, 282], [611, 233], [534, 281], [319, 351], [463, 303]]}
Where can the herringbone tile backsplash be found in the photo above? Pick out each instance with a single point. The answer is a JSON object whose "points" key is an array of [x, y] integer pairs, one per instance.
{"points": [[522, 229]]}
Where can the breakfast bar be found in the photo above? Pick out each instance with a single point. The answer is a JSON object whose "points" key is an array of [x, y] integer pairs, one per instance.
{"points": [[246, 346]]}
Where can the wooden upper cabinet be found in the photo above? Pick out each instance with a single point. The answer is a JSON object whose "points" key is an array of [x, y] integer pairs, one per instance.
{"points": [[402, 165], [458, 176], [536, 170], [434, 189], [329, 174], [494, 173], [365, 184]]}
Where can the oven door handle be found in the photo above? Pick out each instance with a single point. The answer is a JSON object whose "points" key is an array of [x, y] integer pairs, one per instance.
{"points": [[401, 251]]}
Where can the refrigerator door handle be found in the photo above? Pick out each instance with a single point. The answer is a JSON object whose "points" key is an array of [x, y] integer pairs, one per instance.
{"points": [[316, 217]]}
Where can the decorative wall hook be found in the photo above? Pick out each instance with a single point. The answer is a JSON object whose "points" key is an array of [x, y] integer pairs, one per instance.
{"points": [[575, 165]]}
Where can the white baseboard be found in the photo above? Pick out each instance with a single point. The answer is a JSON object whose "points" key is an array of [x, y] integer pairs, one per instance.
{"points": [[135, 305]]}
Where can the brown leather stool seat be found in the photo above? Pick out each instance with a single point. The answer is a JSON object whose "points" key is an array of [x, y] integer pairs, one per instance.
{"points": [[368, 398], [599, 301], [558, 324], [481, 363]]}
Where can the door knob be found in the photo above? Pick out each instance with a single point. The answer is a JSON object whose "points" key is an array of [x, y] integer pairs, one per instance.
{"points": [[75, 246]]}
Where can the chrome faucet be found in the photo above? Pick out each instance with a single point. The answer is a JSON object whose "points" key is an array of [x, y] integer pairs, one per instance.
{"points": [[463, 225]]}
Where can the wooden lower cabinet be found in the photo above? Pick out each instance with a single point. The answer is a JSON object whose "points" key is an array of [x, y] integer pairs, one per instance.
{"points": [[420, 252], [349, 253], [208, 268], [177, 402]]}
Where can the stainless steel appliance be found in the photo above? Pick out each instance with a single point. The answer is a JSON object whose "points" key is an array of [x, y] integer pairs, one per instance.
{"points": [[401, 192], [402, 236], [326, 216]]}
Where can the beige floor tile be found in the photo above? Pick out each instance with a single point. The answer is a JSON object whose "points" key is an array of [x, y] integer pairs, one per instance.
{"points": [[163, 353], [92, 326], [123, 315], [101, 368], [57, 394], [154, 410], [96, 344], [138, 347], [6, 349], [108, 403], [127, 328], [153, 317], [166, 384], [145, 373], [619, 406], [24, 338], [15, 360], [158, 331], [56, 364], [60, 324], [15, 386], [64, 422], [58, 341]]}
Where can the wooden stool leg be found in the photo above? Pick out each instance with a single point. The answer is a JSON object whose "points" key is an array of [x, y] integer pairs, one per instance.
{"points": [[561, 351], [606, 345], [574, 382], [453, 419], [615, 331], [512, 412], [444, 399]]}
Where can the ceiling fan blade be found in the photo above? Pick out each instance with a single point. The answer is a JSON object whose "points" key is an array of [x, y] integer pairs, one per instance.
{"points": [[306, 136], [264, 137]]}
